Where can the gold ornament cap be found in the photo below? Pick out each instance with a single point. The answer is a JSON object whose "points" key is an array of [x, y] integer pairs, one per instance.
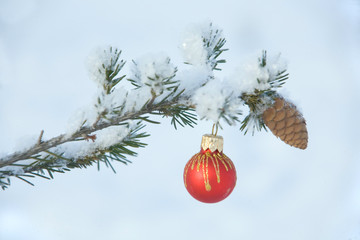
{"points": [[212, 143]]}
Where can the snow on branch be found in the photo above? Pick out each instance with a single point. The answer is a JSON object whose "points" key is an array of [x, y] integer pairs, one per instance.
{"points": [[270, 74], [202, 45], [155, 72], [112, 127]]}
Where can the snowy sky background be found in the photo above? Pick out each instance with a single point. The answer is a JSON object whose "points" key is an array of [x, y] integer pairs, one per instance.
{"points": [[281, 192]]}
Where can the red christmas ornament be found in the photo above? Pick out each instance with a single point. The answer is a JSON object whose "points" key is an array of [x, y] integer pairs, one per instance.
{"points": [[210, 176]]}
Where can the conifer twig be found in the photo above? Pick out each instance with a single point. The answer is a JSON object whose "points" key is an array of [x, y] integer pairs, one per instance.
{"points": [[40, 137], [58, 140]]}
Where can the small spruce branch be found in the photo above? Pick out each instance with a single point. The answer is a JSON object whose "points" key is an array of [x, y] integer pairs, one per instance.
{"points": [[168, 107], [49, 162], [46, 162], [213, 43]]}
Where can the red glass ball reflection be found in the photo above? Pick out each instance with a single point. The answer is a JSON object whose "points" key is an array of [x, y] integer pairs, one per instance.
{"points": [[209, 176]]}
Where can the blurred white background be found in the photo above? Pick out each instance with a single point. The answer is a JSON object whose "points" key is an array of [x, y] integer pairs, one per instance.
{"points": [[281, 193]]}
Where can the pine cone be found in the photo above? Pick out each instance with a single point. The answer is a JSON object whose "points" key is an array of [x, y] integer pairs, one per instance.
{"points": [[287, 123]]}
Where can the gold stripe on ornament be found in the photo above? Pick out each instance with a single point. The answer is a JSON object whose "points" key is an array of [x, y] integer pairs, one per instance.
{"points": [[202, 160], [206, 174], [228, 161], [218, 156], [217, 169]]}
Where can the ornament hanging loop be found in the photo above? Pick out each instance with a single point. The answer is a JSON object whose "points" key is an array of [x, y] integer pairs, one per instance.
{"points": [[213, 128]]}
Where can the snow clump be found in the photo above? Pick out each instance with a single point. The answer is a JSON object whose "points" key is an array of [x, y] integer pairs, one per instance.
{"points": [[198, 44], [153, 71], [100, 59], [251, 76]]}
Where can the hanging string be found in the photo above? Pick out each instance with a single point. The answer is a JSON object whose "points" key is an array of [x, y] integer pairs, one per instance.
{"points": [[213, 128]]}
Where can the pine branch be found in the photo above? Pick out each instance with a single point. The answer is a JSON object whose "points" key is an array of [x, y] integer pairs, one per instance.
{"points": [[45, 158], [117, 152], [213, 45], [164, 107], [157, 81]]}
